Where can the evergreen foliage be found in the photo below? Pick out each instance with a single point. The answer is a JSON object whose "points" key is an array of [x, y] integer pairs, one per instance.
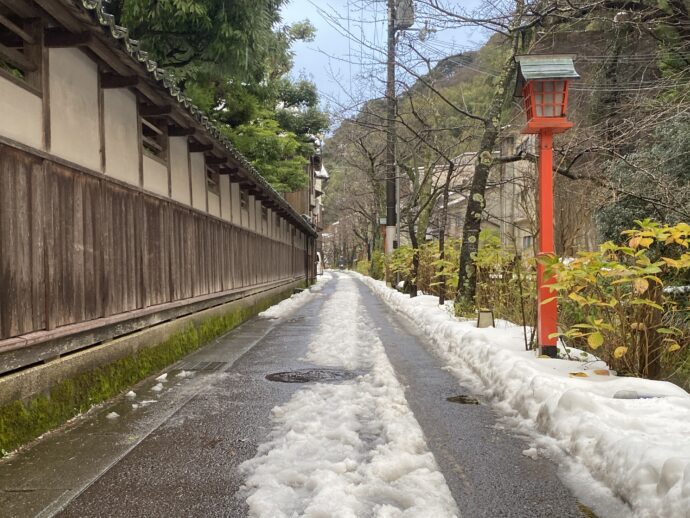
{"points": [[233, 60]]}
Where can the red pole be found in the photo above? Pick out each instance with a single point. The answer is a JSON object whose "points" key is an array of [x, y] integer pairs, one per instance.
{"points": [[547, 314]]}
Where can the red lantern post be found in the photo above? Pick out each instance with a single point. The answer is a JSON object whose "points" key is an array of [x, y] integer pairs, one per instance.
{"points": [[544, 82]]}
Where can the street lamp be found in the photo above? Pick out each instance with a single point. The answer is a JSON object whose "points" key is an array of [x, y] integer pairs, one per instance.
{"points": [[543, 82]]}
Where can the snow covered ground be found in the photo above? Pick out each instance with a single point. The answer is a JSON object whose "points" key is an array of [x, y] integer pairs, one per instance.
{"points": [[350, 449], [612, 449]]}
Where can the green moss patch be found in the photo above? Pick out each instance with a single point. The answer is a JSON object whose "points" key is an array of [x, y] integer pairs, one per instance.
{"points": [[22, 421]]}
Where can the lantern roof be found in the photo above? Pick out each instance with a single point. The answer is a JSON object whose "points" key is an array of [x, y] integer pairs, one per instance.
{"points": [[544, 66]]}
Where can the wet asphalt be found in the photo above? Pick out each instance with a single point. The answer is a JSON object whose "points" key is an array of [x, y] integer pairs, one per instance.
{"points": [[178, 455], [483, 464]]}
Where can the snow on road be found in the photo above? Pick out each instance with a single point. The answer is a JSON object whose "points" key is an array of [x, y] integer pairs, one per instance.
{"points": [[635, 450], [349, 449], [287, 306]]}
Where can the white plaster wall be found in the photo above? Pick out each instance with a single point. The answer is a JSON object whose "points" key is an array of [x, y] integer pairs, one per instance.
{"points": [[155, 176], [275, 225], [214, 204], [21, 116], [121, 138], [251, 206], [198, 171], [74, 119], [271, 224], [260, 221], [179, 169], [235, 203], [225, 209]]}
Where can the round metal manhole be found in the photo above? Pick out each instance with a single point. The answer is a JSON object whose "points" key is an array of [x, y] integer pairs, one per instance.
{"points": [[463, 400], [308, 375]]}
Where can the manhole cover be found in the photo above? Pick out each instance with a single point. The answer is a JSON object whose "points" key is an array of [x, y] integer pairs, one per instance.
{"points": [[463, 400], [307, 375]]}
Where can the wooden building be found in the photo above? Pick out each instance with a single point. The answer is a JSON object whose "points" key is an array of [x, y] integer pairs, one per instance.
{"points": [[121, 205]]}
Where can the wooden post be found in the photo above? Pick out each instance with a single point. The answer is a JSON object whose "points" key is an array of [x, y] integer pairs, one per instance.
{"points": [[547, 314]]}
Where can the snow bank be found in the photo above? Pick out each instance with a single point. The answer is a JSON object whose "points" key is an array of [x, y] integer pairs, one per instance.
{"points": [[638, 448], [350, 449], [287, 306]]}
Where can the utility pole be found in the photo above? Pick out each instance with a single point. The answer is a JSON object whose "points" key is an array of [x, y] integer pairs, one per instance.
{"points": [[391, 102], [400, 18]]}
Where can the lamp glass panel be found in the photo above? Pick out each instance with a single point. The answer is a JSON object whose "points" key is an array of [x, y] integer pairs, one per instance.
{"points": [[559, 92], [538, 96]]}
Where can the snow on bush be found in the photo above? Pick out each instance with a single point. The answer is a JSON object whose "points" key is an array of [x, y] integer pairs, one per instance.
{"points": [[638, 448]]}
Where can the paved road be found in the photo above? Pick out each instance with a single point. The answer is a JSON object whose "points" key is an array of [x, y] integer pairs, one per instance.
{"points": [[178, 456]]}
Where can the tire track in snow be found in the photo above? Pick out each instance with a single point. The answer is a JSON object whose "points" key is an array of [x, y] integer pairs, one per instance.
{"points": [[352, 449]]}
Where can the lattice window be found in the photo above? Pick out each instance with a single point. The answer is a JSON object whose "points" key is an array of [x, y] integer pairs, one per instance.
{"points": [[244, 199], [154, 138], [20, 49], [212, 181]]}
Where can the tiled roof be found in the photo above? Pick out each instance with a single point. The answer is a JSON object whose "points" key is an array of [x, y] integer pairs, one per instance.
{"points": [[167, 81]]}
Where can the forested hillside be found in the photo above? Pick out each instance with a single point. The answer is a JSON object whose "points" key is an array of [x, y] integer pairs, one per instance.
{"points": [[626, 158]]}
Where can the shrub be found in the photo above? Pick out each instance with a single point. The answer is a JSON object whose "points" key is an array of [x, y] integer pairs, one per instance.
{"points": [[377, 267], [363, 267], [399, 265], [618, 299]]}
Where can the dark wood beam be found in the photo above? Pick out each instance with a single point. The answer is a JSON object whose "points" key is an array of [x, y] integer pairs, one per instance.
{"points": [[215, 160], [152, 110], [56, 37], [11, 40], [178, 131], [17, 59], [197, 147], [23, 9], [118, 81], [6, 22], [228, 170]]}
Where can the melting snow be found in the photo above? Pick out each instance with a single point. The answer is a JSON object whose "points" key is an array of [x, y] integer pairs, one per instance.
{"points": [[162, 377], [349, 449], [157, 388], [112, 415], [638, 449], [287, 306], [131, 394]]}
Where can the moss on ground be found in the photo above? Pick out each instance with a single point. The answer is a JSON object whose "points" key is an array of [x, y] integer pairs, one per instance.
{"points": [[22, 421]]}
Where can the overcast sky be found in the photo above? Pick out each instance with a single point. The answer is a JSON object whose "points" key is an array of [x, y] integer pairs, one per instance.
{"points": [[348, 69]]}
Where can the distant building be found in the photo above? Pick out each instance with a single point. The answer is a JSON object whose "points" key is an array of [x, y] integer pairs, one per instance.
{"points": [[308, 201], [511, 202]]}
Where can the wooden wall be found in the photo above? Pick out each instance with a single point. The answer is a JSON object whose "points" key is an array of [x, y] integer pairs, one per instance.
{"points": [[75, 247]]}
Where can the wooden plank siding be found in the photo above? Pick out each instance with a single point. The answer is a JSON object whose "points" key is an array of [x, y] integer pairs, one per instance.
{"points": [[76, 247]]}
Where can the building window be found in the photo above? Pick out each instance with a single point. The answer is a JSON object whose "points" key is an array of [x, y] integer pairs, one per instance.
{"points": [[20, 52], [244, 199], [212, 181], [264, 212], [527, 242], [154, 138]]}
